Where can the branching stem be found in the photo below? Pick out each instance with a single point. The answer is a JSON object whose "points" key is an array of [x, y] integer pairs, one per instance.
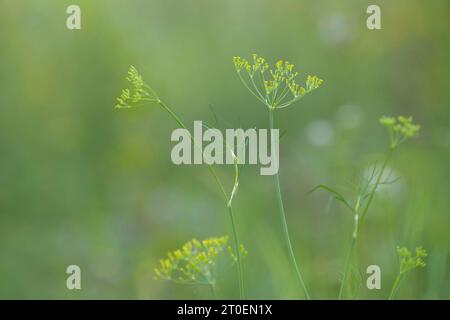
{"points": [[227, 200], [358, 223]]}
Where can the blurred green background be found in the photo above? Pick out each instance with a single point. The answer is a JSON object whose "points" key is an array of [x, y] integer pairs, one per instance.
{"points": [[84, 184]]}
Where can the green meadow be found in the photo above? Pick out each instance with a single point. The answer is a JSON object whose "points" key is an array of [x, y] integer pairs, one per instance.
{"points": [[84, 183]]}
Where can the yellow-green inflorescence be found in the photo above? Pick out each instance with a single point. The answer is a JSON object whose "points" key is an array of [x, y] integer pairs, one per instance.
{"points": [[196, 261], [408, 261], [139, 91], [274, 86], [399, 129]]}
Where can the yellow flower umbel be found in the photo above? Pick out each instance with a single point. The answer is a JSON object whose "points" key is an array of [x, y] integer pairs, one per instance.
{"points": [[195, 262], [408, 262], [276, 87], [139, 92], [399, 129]]}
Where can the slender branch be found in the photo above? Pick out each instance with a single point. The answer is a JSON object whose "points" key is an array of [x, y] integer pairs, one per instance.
{"points": [[248, 88], [210, 167], [377, 183], [282, 95], [395, 286], [352, 246], [358, 222], [238, 252], [347, 266], [227, 200], [233, 227], [256, 88]]}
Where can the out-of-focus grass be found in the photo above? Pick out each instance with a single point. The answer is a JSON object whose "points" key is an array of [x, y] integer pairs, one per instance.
{"points": [[83, 184]]}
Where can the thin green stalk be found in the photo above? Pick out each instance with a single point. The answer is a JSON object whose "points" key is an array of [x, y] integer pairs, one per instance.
{"points": [[233, 226], [395, 286], [351, 249], [347, 266], [228, 201], [377, 183], [358, 223], [284, 224], [210, 167], [238, 252]]}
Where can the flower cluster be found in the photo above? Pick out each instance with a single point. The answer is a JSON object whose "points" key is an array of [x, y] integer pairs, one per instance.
{"points": [[399, 129], [139, 91], [276, 87], [195, 262], [259, 64], [408, 261]]}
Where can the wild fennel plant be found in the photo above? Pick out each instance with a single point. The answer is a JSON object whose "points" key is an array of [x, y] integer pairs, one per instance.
{"points": [[277, 88], [140, 94], [399, 130], [408, 262], [196, 262]]}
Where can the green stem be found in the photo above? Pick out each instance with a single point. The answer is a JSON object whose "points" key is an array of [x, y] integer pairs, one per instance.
{"points": [[238, 252], [284, 223], [395, 286], [358, 223], [377, 183], [347, 266], [210, 167], [351, 249], [228, 203]]}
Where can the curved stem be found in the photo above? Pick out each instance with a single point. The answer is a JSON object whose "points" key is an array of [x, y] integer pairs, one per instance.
{"points": [[248, 88], [238, 252], [284, 223], [210, 167], [227, 201], [377, 183], [358, 223], [352, 246], [256, 88], [395, 286]]}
